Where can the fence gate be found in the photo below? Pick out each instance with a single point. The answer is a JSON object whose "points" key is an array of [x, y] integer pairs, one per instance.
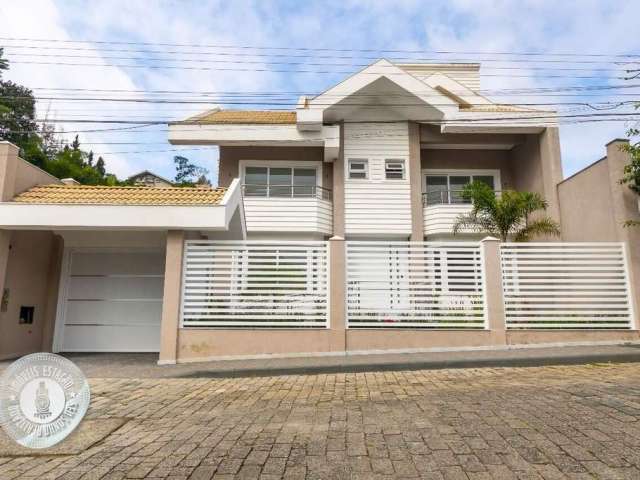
{"points": [[566, 286], [254, 284], [415, 285]]}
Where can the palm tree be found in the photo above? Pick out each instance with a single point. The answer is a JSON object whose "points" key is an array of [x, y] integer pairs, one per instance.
{"points": [[505, 216]]}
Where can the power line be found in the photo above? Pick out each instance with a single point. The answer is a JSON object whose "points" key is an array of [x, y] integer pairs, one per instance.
{"points": [[304, 64], [268, 70], [307, 56], [289, 104], [432, 121], [493, 92], [310, 49]]}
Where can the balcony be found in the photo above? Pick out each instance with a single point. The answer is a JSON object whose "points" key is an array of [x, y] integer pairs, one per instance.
{"points": [[288, 208], [441, 209]]}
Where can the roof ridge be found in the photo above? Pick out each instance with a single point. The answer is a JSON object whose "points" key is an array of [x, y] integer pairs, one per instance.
{"points": [[123, 187]]}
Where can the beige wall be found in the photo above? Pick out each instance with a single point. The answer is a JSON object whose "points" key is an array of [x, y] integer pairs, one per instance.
{"points": [[29, 265], [207, 344], [584, 196], [470, 159], [525, 159], [594, 207], [28, 175], [231, 155], [28, 282], [536, 167]]}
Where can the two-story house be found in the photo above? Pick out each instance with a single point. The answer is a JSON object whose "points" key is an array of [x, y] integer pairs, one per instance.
{"points": [[382, 155], [330, 232]]}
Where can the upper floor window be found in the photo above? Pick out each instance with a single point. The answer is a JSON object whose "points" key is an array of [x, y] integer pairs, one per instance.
{"points": [[447, 188], [358, 168], [279, 182], [394, 169]]}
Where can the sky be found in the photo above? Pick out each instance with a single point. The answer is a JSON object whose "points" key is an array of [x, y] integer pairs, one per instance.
{"points": [[360, 30]]}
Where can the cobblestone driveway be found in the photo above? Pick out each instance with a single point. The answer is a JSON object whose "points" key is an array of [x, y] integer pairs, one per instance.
{"points": [[550, 422]]}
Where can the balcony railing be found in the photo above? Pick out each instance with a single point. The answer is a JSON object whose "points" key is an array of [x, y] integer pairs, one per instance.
{"points": [[286, 191], [446, 197]]}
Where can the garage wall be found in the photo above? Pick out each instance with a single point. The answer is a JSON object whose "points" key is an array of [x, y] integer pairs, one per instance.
{"points": [[31, 281]]}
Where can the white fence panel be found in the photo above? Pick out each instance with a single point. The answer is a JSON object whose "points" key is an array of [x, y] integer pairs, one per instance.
{"points": [[415, 285], [254, 284], [566, 286]]}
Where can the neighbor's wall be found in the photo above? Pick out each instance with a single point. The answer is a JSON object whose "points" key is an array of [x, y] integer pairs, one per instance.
{"points": [[586, 206], [230, 157], [594, 206]]}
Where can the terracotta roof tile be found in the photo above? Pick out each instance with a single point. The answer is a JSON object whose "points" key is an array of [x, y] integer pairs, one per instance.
{"points": [[273, 117], [497, 108], [104, 195]]}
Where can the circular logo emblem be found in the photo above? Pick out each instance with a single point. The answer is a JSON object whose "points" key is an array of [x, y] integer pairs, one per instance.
{"points": [[43, 398]]}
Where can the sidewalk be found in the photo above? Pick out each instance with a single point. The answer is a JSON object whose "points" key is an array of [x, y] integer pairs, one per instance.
{"points": [[143, 365]]}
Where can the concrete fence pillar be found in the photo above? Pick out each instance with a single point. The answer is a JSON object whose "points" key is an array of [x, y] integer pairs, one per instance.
{"points": [[171, 297], [415, 180], [493, 288], [337, 294]]}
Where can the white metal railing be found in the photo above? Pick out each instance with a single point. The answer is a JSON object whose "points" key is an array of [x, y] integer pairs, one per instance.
{"points": [[566, 286], [415, 285], [253, 284]]}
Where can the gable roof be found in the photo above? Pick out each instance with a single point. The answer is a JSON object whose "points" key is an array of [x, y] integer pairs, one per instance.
{"points": [[148, 172], [105, 195], [403, 80]]}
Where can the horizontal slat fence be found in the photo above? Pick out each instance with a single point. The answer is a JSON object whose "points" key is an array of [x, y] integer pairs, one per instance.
{"points": [[415, 285], [565, 286], [254, 284]]}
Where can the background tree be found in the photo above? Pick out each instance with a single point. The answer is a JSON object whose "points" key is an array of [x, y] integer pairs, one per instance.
{"points": [[631, 176], [189, 174], [40, 145], [4, 63], [505, 216]]}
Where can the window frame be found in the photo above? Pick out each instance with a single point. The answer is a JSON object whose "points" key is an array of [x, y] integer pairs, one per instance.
{"points": [[364, 161], [454, 172], [292, 165], [400, 161]]}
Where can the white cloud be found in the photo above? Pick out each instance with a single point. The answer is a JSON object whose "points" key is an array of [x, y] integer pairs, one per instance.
{"points": [[547, 27], [48, 24], [469, 25]]}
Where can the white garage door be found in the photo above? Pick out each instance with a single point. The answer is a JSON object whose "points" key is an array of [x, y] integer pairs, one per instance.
{"points": [[113, 302]]}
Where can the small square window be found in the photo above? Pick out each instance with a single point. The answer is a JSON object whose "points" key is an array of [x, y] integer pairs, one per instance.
{"points": [[394, 169], [358, 168], [26, 315]]}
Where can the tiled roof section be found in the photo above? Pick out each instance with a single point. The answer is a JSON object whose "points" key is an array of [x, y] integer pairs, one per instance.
{"points": [[497, 108], [104, 195], [264, 117]]}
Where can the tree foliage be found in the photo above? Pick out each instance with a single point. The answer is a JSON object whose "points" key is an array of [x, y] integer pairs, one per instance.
{"points": [[4, 63], [189, 174], [506, 216], [39, 144], [631, 173]]}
